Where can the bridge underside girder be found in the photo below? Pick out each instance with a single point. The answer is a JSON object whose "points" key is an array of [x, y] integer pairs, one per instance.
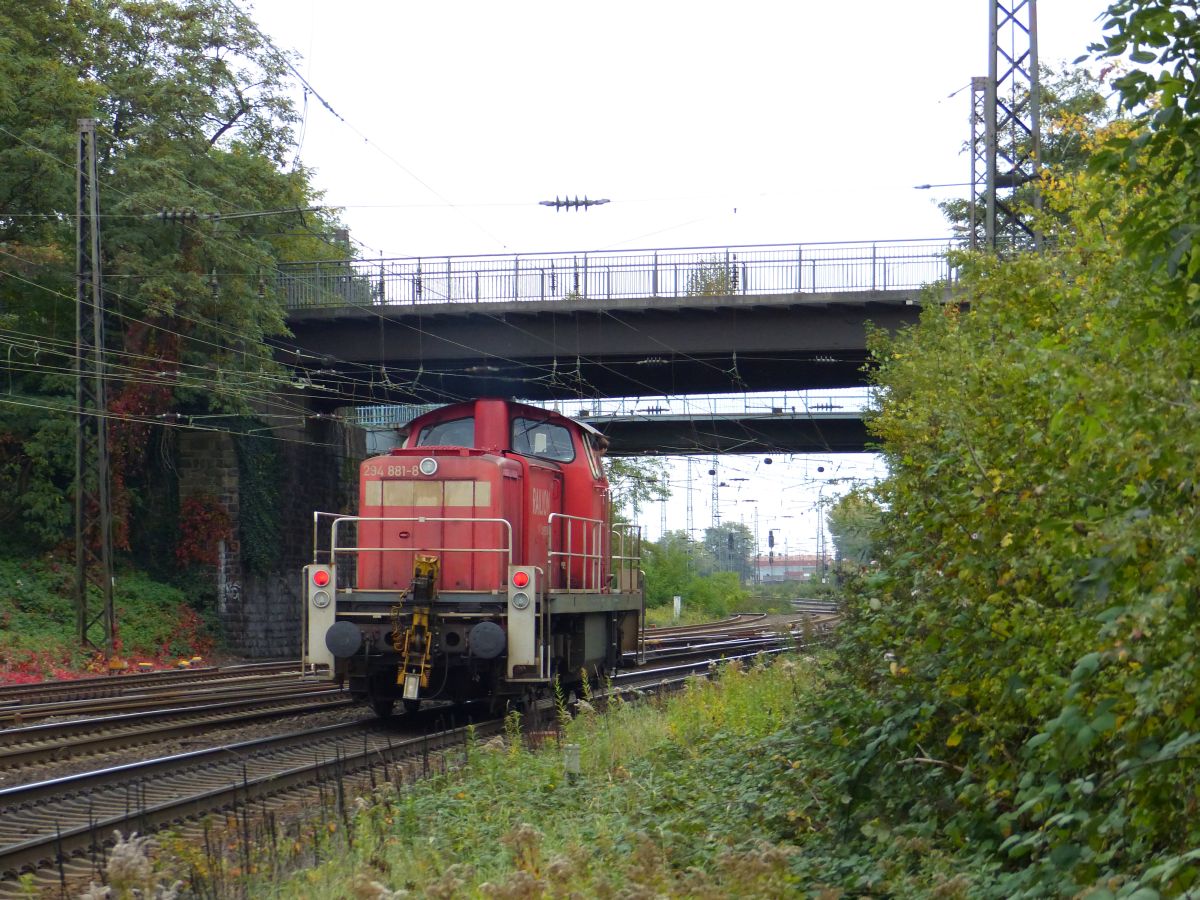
{"points": [[783, 433], [582, 348]]}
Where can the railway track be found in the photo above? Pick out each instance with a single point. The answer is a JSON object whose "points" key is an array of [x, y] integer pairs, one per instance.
{"points": [[59, 827], [756, 627], [732, 622], [53, 741], [665, 674], [816, 612], [177, 696], [62, 825], [817, 607], [72, 818], [16, 695]]}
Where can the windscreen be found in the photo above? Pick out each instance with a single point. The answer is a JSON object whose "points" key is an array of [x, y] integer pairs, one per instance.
{"points": [[455, 433], [543, 439]]}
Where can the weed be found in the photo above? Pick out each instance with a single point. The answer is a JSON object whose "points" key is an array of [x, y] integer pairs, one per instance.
{"points": [[696, 795], [38, 641], [512, 732], [131, 873], [562, 715]]}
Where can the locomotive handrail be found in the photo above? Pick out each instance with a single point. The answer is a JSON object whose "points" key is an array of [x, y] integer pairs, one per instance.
{"points": [[592, 558], [317, 516], [625, 559], [334, 549]]}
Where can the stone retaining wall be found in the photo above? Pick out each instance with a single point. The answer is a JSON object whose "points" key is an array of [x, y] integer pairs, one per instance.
{"points": [[261, 614]]}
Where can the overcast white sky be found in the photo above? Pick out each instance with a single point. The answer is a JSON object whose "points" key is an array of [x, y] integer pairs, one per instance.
{"points": [[705, 124]]}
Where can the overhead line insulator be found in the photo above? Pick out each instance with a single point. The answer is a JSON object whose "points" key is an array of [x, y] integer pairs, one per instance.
{"points": [[177, 215], [569, 203]]}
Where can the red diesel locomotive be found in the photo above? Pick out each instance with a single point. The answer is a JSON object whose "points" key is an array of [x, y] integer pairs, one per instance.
{"points": [[483, 563]]}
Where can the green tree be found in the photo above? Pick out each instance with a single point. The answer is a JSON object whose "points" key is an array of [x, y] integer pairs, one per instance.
{"points": [[853, 520], [191, 113], [634, 482], [730, 545], [670, 564], [1160, 159]]}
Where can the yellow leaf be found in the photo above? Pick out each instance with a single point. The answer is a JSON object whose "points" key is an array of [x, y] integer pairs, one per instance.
{"points": [[954, 740], [1007, 540]]}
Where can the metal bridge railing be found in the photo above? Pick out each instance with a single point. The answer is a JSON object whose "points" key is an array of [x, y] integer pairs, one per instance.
{"points": [[687, 271]]}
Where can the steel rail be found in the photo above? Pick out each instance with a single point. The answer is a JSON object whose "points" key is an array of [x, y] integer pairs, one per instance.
{"points": [[33, 834], [200, 693], [87, 737], [107, 685]]}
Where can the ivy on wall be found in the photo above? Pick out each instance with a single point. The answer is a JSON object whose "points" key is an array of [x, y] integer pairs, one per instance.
{"points": [[260, 491], [203, 523]]}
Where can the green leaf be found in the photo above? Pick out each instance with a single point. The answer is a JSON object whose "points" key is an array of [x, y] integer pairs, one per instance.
{"points": [[1085, 667], [1010, 841], [1085, 737], [1065, 855]]}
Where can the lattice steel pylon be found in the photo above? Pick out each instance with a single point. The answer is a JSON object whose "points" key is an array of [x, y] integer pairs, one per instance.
{"points": [[979, 159], [1011, 124], [93, 511]]}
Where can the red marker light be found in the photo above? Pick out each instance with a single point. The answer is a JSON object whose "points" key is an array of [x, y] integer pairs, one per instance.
{"points": [[320, 578], [520, 579]]}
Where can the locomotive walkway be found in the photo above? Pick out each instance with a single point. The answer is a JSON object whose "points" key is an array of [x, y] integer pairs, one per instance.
{"points": [[636, 323]]}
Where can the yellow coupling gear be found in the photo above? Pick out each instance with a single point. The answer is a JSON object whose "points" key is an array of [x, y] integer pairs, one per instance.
{"points": [[425, 576], [417, 645]]}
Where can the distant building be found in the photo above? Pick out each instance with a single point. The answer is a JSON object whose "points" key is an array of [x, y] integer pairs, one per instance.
{"points": [[778, 568]]}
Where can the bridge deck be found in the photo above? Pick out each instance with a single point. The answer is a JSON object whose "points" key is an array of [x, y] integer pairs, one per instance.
{"points": [[561, 326]]}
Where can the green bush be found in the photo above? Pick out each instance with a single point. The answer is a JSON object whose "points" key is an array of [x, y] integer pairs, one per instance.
{"points": [[1028, 650]]}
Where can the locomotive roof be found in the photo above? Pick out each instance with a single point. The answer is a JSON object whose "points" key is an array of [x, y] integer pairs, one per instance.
{"points": [[468, 406]]}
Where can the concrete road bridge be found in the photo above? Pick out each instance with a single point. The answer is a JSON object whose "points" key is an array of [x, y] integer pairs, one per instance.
{"points": [[637, 323]]}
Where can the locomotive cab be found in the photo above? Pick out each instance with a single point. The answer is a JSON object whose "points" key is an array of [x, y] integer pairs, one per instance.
{"points": [[483, 563]]}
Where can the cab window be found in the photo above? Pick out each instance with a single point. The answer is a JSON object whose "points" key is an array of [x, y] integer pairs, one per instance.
{"points": [[542, 439], [593, 455], [455, 433]]}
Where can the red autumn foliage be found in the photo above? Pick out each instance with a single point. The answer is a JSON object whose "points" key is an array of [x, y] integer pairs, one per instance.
{"points": [[203, 522]]}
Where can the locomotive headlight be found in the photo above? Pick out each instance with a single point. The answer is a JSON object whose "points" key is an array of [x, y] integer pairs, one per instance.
{"points": [[320, 599], [427, 466], [520, 600]]}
